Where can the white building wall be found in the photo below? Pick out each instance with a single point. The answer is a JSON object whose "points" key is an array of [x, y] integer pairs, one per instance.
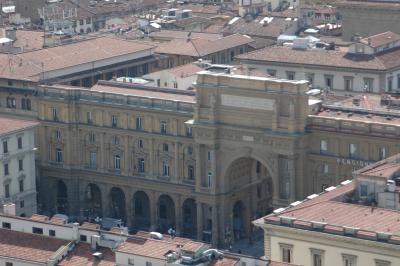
{"points": [[167, 79], [15, 262], [28, 174], [121, 259], [332, 252]]}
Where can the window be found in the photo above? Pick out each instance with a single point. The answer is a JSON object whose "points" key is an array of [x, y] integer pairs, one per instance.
{"points": [[117, 162], [58, 134], [379, 262], [271, 72], [6, 170], [190, 172], [5, 147], [348, 83], [21, 185], [189, 132], [209, 155], [286, 252], [6, 225], [148, 263], [88, 20], [352, 151], [398, 81], [131, 261], [141, 165], [19, 142], [290, 75], [59, 157], [22, 204], [23, 104], [329, 81], [9, 264], [55, 114], [20, 165], [323, 146], [114, 121], [363, 190], [9, 83], [390, 83], [140, 144], [349, 260], [368, 84], [37, 230], [190, 150], [7, 190], [165, 147], [11, 103], [317, 257], [83, 238], [163, 127], [138, 123], [165, 168], [175, 84], [115, 140], [310, 78], [89, 118], [92, 137], [382, 153], [81, 22], [28, 104], [209, 179], [93, 159], [52, 232]]}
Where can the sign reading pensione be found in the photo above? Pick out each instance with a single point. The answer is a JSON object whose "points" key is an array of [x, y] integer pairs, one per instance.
{"points": [[247, 102], [345, 161]]}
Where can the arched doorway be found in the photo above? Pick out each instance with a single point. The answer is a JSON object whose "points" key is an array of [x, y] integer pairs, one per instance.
{"points": [[93, 201], [250, 184], [141, 210], [189, 218], [239, 220], [166, 213], [118, 210], [62, 198]]}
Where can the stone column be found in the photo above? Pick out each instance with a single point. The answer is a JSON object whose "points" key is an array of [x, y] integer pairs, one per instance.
{"points": [[153, 210], [105, 200], [215, 224], [199, 210], [178, 215], [102, 157], [198, 173], [176, 165], [127, 165], [151, 159], [129, 206], [267, 244]]}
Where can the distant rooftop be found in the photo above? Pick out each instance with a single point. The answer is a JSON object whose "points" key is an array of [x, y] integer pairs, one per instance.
{"points": [[11, 125]]}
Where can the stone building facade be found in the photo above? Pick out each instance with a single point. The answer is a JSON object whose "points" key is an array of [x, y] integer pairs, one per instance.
{"points": [[206, 162]]}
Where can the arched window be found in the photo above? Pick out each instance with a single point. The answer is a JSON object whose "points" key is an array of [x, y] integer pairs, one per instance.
{"points": [[141, 165], [92, 137], [59, 157], [165, 147]]}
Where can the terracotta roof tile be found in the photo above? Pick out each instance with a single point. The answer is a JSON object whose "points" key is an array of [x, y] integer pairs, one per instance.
{"points": [[90, 226], [185, 70], [30, 65], [327, 58], [147, 247], [198, 47], [82, 255], [10, 125], [178, 34], [225, 262], [381, 39], [27, 246]]}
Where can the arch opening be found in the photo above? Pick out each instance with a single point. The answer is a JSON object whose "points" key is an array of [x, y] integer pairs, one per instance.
{"points": [[141, 203], [62, 198], [93, 199], [118, 210], [166, 213], [189, 218]]}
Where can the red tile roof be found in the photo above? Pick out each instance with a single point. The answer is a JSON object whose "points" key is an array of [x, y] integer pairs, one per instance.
{"points": [[11, 125], [30, 65], [197, 47], [29, 247], [225, 262], [90, 226], [147, 247], [381, 39], [82, 255], [327, 58]]}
